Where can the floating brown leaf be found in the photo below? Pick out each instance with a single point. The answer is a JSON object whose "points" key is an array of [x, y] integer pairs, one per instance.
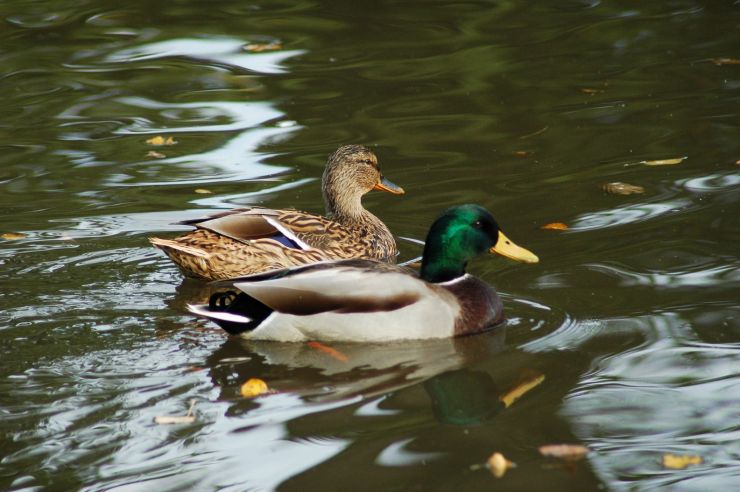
{"points": [[619, 188], [203, 191], [260, 47], [188, 418], [160, 140], [591, 92], [498, 464], [725, 61], [680, 461], [521, 388], [555, 226], [155, 154], [174, 419], [522, 153], [331, 352], [665, 162], [254, 387], [570, 452], [12, 236]]}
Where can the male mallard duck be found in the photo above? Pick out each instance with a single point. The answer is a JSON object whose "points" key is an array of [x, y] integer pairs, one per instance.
{"points": [[369, 301], [253, 240]]}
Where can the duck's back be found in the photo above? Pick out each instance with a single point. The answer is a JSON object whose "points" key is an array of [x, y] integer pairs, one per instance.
{"points": [[252, 240]]}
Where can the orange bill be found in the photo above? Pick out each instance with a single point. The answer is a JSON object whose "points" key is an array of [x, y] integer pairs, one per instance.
{"points": [[506, 247], [385, 185]]}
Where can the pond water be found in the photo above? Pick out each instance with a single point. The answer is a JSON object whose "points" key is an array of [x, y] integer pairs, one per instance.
{"points": [[525, 108]]}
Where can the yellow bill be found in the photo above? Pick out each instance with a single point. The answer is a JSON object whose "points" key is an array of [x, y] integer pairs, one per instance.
{"points": [[385, 185], [506, 247]]}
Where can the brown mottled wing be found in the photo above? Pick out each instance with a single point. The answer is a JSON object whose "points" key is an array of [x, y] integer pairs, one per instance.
{"points": [[240, 224], [316, 231]]}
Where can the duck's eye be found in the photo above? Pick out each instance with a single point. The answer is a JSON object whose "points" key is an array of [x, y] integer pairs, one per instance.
{"points": [[478, 224], [367, 161]]}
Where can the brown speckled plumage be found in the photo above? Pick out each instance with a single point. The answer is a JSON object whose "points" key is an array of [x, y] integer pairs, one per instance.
{"points": [[237, 242]]}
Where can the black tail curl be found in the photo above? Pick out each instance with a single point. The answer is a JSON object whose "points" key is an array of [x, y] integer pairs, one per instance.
{"points": [[238, 303]]}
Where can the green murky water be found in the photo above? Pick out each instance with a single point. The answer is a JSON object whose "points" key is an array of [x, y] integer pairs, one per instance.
{"points": [[525, 108]]}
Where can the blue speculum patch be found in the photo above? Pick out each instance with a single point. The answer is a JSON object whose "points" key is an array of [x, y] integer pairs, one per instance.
{"points": [[284, 240]]}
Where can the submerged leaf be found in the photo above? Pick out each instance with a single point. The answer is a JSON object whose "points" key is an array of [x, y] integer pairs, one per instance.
{"points": [[331, 352], [12, 236], [619, 188], [253, 387], [665, 162], [203, 191], [571, 452], [679, 462], [555, 226], [533, 134], [155, 154], [498, 464]]}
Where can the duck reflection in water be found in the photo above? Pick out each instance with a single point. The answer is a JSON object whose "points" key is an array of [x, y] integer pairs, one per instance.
{"points": [[458, 394], [318, 372]]}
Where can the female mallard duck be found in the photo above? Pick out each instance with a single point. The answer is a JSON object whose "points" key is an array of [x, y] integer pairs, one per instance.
{"points": [[253, 240], [369, 301]]}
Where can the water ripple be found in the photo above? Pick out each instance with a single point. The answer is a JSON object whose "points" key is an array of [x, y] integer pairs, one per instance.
{"points": [[217, 50], [661, 398]]}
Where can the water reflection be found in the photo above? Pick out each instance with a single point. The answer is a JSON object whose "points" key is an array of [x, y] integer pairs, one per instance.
{"points": [[348, 370], [212, 49]]}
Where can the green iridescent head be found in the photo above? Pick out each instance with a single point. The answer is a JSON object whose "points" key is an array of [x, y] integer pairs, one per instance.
{"points": [[460, 234]]}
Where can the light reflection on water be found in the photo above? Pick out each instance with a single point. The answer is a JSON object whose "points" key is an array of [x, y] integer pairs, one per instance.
{"points": [[631, 316]]}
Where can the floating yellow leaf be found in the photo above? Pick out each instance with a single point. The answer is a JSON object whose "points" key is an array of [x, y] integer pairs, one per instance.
{"points": [[155, 154], [555, 226], [203, 191], [664, 162], [188, 418], [570, 452], [679, 462], [254, 387], [160, 140], [521, 388], [331, 352], [619, 188], [12, 236], [260, 47], [498, 464], [725, 61]]}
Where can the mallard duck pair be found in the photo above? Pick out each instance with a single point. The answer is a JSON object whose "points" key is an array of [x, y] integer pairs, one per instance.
{"points": [[362, 300]]}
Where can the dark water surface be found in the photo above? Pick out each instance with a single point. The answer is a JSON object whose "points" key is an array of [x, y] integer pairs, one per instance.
{"points": [[525, 108]]}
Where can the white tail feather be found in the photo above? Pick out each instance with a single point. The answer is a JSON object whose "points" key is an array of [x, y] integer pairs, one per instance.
{"points": [[202, 310]]}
